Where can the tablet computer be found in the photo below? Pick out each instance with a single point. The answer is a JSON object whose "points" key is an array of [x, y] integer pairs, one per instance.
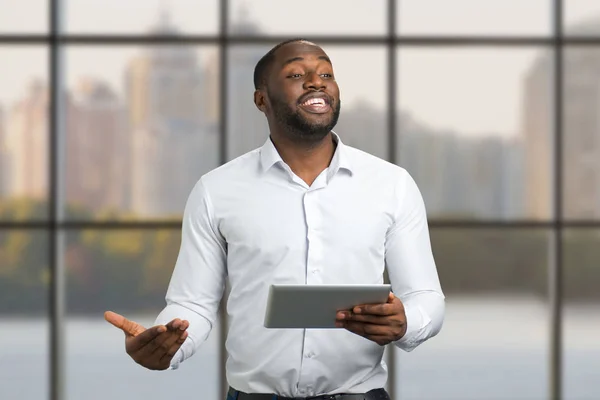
{"points": [[316, 306]]}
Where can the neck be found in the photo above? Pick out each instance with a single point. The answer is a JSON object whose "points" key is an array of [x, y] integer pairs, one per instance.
{"points": [[306, 160]]}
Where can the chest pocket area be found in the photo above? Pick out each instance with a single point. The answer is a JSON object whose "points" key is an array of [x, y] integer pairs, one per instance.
{"points": [[264, 234]]}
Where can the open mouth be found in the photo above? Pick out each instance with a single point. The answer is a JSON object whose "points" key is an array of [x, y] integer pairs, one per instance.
{"points": [[316, 104]]}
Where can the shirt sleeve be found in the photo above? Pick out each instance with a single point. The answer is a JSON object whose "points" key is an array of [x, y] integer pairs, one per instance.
{"points": [[411, 267], [198, 280]]}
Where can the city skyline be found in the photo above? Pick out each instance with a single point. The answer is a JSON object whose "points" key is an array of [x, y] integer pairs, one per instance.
{"points": [[168, 94], [473, 68]]}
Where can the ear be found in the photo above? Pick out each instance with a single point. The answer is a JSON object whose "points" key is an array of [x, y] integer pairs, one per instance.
{"points": [[260, 100]]}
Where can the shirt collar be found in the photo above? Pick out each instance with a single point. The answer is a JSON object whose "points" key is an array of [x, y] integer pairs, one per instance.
{"points": [[269, 156]]}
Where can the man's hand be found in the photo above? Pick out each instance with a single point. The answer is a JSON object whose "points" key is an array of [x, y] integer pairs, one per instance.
{"points": [[381, 323], [154, 347]]}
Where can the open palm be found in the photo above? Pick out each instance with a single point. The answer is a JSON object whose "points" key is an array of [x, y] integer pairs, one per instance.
{"points": [[154, 347]]}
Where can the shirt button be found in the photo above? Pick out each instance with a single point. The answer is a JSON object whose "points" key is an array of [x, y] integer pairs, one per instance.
{"points": [[314, 271]]}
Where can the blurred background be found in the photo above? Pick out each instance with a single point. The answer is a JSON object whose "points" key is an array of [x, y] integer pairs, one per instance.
{"points": [[111, 110]]}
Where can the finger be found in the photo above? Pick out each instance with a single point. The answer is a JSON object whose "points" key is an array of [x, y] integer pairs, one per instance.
{"points": [[168, 356], [163, 341], [164, 345], [376, 309], [129, 327], [366, 330], [146, 337], [369, 319], [178, 324]]}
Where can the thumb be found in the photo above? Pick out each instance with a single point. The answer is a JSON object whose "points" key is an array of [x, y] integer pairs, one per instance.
{"points": [[391, 297], [129, 327]]}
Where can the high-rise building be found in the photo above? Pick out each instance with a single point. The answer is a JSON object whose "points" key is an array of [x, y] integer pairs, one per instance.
{"points": [[537, 133], [513, 179], [172, 143], [26, 140], [247, 127], [97, 148], [581, 131], [3, 157], [212, 87]]}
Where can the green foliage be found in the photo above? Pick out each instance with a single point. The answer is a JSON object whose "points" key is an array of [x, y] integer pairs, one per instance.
{"points": [[129, 270]]}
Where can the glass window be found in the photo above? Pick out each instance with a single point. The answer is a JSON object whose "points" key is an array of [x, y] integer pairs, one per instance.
{"points": [[127, 272], [141, 128], [23, 17], [581, 17], [475, 130], [147, 17], [495, 338], [363, 118], [24, 325], [581, 133], [311, 17], [474, 17], [24, 135], [581, 321]]}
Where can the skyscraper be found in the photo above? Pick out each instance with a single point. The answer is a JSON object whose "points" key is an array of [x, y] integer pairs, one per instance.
{"points": [[172, 144], [247, 127], [3, 157], [537, 136], [97, 148], [581, 132], [26, 140]]}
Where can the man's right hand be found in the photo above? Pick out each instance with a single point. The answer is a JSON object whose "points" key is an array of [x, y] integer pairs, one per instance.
{"points": [[154, 347]]}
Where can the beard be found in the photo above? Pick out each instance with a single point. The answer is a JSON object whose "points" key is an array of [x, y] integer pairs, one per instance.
{"points": [[298, 126]]}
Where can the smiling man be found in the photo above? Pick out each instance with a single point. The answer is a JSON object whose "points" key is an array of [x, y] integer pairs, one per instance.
{"points": [[304, 208]]}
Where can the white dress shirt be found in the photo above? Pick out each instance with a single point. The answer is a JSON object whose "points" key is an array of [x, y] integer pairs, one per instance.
{"points": [[254, 222]]}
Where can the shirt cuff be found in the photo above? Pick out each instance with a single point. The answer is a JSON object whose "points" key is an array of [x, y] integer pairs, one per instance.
{"points": [[198, 331], [416, 321]]}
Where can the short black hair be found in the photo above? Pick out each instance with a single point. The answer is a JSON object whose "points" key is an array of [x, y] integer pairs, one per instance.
{"points": [[263, 65]]}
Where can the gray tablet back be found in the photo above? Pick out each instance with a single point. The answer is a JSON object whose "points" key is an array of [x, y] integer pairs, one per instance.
{"points": [[315, 306]]}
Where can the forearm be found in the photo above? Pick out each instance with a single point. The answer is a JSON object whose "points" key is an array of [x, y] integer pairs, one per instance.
{"points": [[424, 318]]}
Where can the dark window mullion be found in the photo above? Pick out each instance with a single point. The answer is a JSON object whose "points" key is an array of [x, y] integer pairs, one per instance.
{"points": [[224, 65], [556, 264], [56, 377]]}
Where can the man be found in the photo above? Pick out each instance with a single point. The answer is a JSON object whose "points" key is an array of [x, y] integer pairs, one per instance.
{"points": [[303, 208]]}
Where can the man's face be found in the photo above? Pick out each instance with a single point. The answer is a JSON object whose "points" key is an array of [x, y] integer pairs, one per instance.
{"points": [[302, 91]]}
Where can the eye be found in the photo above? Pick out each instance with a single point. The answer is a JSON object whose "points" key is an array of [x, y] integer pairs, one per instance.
{"points": [[294, 76], [327, 75]]}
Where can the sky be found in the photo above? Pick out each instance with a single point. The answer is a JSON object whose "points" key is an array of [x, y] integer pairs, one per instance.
{"points": [[471, 90]]}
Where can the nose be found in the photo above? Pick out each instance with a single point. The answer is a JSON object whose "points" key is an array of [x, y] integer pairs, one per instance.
{"points": [[314, 81]]}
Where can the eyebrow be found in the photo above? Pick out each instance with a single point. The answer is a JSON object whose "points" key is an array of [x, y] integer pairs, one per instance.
{"points": [[294, 59]]}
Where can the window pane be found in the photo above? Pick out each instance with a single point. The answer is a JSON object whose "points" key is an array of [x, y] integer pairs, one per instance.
{"points": [[23, 133], [152, 17], [474, 17], [581, 321], [311, 17], [362, 121], [475, 131], [581, 17], [23, 16], [24, 325], [127, 272], [142, 128], [581, 138], [495, 338]]}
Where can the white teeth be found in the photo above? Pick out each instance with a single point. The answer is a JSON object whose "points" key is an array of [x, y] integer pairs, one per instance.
{"points": [[310, 102]]}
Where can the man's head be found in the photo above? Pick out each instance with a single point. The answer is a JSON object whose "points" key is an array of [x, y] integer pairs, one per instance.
{"points": [[296, 89]]}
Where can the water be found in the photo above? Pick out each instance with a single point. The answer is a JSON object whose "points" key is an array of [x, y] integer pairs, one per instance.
{"points": [[488, 350]]}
